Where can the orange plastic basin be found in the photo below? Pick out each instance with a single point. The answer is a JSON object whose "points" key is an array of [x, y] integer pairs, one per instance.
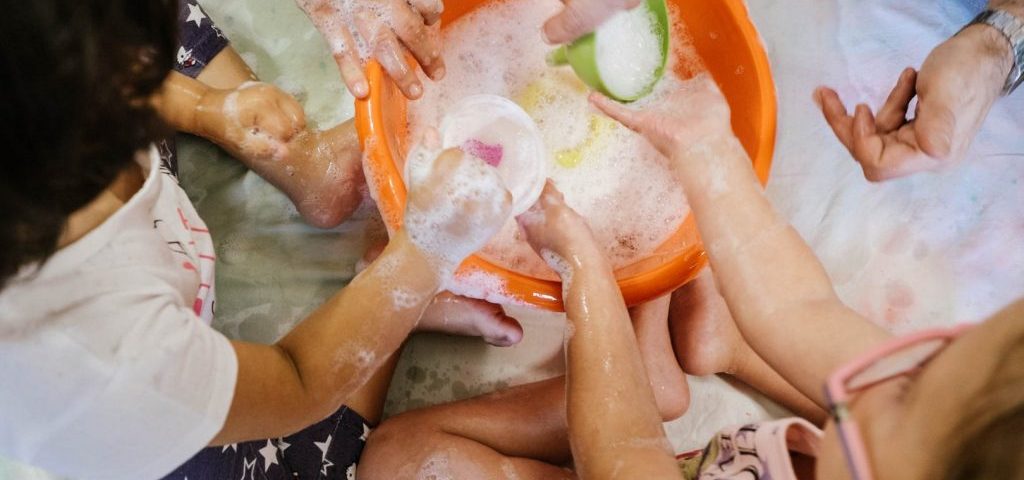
{"points": [[730, 47]]}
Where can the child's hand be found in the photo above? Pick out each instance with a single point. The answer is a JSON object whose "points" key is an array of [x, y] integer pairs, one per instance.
{"points": [[389, 30], [254, 121], [692, 115], [456, 204], [556, 232]]}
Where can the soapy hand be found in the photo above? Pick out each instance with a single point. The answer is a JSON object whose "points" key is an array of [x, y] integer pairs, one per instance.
{"points": [[956, 87], [692, 115], [386, 30], [253, 121], [553, 227], [580, 17], [456, 204]]}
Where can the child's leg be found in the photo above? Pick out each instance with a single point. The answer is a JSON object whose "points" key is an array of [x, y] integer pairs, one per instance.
{"points": [[706, 341], [212, 94], [522, 427], [321, 171], [516, 433], [668, 382]]}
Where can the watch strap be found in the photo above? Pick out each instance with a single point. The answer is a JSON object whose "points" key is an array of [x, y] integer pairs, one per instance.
{"points": [[1012, 28]]}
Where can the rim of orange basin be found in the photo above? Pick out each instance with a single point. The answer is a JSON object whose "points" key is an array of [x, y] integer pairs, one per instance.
{"points": [[683, 266]]}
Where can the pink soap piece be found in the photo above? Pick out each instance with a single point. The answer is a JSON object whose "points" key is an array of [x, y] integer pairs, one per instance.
{"points": [[490, 154]]}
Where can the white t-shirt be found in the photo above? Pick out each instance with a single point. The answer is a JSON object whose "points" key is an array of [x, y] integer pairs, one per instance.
{"points": [[110, 369]]}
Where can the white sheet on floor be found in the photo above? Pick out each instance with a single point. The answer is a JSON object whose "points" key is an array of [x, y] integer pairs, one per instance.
{"points": [[930, 250]]}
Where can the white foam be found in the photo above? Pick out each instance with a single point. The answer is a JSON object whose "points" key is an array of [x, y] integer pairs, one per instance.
{"points": [[628, 52], [483, 285], [560, 265], [509, 469], [365, 358], [610, 175], [346, 15], [447, 231], [403, 298], [435, 467], [252, 135]]}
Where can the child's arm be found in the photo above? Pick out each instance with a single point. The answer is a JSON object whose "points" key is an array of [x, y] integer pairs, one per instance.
{"points": [[310, 373], [614, 423], [253, 121], [778, 292]]}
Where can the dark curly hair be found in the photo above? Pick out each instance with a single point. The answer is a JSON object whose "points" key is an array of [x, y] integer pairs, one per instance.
{"points": [[75, 81]]}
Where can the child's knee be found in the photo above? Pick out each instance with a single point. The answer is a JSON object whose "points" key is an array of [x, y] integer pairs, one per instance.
{"points": [[394, 445]]}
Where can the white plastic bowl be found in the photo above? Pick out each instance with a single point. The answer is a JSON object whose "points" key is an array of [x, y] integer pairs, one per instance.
{"points": [[497, 131]]}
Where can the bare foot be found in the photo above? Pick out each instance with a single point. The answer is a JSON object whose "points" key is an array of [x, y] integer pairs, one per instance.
{"points": [[671, 392], [322, 175], [457, 315], [704, 335], [706, 341]]}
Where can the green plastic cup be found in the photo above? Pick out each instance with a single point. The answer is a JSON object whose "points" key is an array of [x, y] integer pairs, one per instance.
{"points": [[581, 55]]}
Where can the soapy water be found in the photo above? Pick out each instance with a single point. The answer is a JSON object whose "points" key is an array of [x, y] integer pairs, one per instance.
{"points": [[628, 52], [608, 174]]}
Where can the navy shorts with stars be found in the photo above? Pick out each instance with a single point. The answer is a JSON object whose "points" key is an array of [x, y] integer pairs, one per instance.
{"points": [[199, 39], [199, 42], [325, 451], [328, 450]]}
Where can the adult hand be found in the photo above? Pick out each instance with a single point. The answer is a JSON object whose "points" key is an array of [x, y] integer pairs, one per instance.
{"points": [[956, 87], [580, 17], [386, 30]]}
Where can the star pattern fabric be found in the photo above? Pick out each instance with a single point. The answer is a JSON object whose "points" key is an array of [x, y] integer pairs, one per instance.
{"points": [[195, 14], [200, 39], [328, 450], [199, 42]]}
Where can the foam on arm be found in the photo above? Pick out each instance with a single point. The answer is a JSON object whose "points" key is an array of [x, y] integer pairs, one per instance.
{"points": [[311, 372], [614, 425]]}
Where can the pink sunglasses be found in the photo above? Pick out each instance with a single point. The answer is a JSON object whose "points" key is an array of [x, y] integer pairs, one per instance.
{"points": [[896, 358]]}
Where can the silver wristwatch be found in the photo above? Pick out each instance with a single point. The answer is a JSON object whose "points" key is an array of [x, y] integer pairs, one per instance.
{"points": [[1013, 28]]}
